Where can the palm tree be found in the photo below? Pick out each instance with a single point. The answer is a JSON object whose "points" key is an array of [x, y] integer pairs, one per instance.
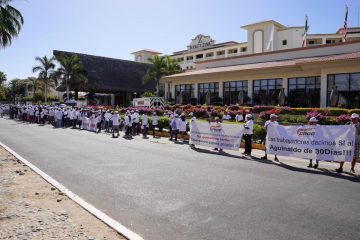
{"points": [[71, 72], [46, 72], [11, 22], [161, 66], [35, 84], [2, 78]]}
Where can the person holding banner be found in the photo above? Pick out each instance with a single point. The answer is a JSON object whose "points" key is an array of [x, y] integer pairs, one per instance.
{"points": [[355, 122], [313, 121], [273, 120], [248, 134], [217, 120]]}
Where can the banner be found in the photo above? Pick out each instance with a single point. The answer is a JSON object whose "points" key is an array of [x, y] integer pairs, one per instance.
{"points": [[217, 135], [326, 143]]}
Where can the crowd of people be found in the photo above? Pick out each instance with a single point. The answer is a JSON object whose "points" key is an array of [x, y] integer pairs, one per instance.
{"points": [[134, 123]]}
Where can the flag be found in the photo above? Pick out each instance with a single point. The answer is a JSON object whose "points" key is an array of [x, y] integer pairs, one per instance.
{"points": [[270, 46], [345, 23], [306, 28]]}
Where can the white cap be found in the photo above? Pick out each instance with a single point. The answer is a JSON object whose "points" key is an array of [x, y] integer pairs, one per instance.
{"points": [[313, 119], [248, 116], [354, 115], [191, 114], [273, 116]]}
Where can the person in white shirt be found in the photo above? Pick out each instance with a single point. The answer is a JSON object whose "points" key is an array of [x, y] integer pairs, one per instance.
{"points": [[107, 117], [144, 124], [58, 117], [128, 124], [248, 134], [226, 117], [115, 118], [313, 122], [269, 123], [154, 122], [174, 127], [182, 126], [136, 122], [193, 119], [239, 117]]}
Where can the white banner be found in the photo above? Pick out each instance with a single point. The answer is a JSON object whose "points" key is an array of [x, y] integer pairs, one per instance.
{"points": [[217, 135], [326, 143]]}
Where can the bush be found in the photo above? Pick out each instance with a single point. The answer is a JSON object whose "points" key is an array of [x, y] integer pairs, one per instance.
{"points": [[321, 117], [337, 111], [259, 133], [148, 94], [354, 111], [163, 123], [343, 119]]}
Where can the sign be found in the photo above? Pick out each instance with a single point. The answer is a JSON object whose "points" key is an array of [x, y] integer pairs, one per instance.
{"points": [[200, 42], [216, 135], [148, 102], [329, 143]]}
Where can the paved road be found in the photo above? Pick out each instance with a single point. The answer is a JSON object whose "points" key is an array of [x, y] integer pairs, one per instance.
{"points": [[167, 191]]}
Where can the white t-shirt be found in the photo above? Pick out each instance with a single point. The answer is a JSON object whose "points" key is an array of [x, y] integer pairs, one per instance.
{"points": [[268, 122], [115, 120], [239, 118], [226, 117], [182, 125], [155, 120], [249, 126], [144, 120]]}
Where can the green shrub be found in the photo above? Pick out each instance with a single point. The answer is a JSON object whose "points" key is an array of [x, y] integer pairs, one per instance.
{"points": [[259, 133], [351, 111], [337, 111], [163, 123]]}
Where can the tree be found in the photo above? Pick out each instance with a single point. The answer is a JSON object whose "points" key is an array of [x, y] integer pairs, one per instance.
{"points": [[161, 66], [16, 87], [34, 83], [46, 72], [11, 22], [2, 78], [71, 72]]}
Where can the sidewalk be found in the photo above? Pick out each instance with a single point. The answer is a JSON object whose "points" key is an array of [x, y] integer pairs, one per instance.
{"points": [[30, 208]]}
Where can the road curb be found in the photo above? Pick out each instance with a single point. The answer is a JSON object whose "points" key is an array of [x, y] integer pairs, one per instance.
{"points": [[87, 206]]}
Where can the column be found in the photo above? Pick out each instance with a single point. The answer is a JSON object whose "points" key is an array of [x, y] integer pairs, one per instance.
{"points": [[172, 90], [112, 96], [166, 91], [250, 90], [285, 85], [323, 89], [196, 91], [221, 90]]}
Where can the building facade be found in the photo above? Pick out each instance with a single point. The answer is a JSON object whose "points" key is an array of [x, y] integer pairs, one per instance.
{"points": [[270, 61]]}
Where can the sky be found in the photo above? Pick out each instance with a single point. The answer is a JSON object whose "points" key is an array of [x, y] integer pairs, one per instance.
{"points": [[116, 28]]}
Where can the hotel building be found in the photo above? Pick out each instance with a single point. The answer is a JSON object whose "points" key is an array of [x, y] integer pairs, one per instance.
{"points": [[272, 59]]}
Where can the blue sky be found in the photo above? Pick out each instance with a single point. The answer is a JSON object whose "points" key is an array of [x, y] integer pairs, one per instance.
{"points": [[115, 28]]}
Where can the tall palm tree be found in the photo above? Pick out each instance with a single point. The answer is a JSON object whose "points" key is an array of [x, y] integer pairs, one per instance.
{"points": [[2, 78], [46, 71], [156, 71], [71, 72], [11, 22], [161, 66]]}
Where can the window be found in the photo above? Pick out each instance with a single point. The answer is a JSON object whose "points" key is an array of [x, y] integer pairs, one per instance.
{"points": [[328, 41], [204, 88], [232, 51], [187, 91], [232, 89], [284, 42], [266, 91], [199, 56], [211, 54], [348, 86], [311, 42], [304, 92], [189, 58], [243, 49], [139, 58], [219, 53]]}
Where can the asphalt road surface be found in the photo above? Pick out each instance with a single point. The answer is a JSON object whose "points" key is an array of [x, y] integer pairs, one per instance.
{"points": [[167, 191]]}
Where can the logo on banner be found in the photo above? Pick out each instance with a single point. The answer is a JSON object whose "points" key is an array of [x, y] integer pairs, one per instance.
{"points": [[216, 127], [306, 132]]}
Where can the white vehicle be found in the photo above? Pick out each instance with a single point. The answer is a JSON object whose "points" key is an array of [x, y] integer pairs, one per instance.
{"points": [[149, 102]]}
